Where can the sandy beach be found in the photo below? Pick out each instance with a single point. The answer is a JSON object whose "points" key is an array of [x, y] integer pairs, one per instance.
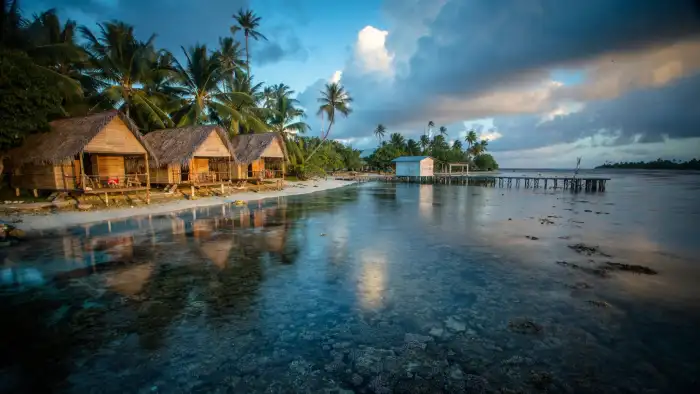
{"points": [[32, 222]]}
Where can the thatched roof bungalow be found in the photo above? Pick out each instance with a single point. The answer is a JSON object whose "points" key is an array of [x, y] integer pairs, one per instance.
{"points": [[260, 156], [94, 153], [196, 154]]}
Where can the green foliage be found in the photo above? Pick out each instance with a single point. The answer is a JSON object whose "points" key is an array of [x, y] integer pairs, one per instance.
{"points": [[28, 100], [485, 162], [437, 147], [657, 164], [331, 156]]}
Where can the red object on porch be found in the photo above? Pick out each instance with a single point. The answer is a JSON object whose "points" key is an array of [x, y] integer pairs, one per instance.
{"points": [[112, 181]]}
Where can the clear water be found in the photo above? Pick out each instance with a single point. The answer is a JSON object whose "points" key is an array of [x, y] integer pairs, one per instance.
{"points": [[374, 288]]}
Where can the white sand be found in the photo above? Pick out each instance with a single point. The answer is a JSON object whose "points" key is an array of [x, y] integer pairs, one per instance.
{"points": [[71, 218]]}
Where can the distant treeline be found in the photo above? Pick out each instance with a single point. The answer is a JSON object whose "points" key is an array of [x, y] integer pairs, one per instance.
{"points": [[658, 164]]}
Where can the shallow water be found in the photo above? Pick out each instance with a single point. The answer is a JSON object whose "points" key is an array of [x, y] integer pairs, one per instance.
{"points": [[372, 288]]}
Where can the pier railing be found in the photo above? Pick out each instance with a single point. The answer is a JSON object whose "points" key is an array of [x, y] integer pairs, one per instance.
{"points": [[571, 183]]}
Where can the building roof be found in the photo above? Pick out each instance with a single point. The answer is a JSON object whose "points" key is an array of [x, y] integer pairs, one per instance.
{"points": [[406, 159], [250, 147], [68, 137], [177, 146]]}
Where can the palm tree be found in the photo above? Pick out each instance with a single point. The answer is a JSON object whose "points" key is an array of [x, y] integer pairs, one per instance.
{"points": [[470, 138], [229, 55], [200, 79], [120, 65], [287, 118], [457, 145], [398, 141], [443, 131], [380, 131], [479, 148], [50, 45], [247, 115], [248, 22], [412, 147], [334, 98], [431, 124], [424, 143]]}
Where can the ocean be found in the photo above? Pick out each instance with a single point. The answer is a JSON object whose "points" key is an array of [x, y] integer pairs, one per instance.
{"points": [[375, 287]]}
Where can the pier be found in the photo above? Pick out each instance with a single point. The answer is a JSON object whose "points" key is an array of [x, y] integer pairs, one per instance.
{"points": [[569, 183]]}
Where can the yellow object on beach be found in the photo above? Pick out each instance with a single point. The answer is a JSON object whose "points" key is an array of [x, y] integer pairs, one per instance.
{"points": [[239, 202]]}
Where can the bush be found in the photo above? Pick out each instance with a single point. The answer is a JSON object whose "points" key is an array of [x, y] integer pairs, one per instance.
{"points": [[27, 100]]}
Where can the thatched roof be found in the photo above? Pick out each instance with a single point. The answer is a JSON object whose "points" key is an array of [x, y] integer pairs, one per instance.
{"points": [[68, 137], [177, 146], [250, 147]]}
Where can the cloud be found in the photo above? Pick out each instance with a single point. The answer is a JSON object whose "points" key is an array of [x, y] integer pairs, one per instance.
{"points": [[371, 55], [176, 22], [282, 44], [459, 61]]}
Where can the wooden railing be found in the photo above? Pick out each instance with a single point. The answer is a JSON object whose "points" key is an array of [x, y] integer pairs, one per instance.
{"points": [[209, 177], [266, 174], [94, 182]]}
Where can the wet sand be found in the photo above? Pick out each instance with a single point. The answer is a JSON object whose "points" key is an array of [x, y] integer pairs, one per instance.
{"points": [[30, 222]]}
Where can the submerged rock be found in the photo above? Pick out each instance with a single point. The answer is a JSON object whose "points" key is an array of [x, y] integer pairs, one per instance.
{"points": [[599, 304], [637, 269], [524, 325], [436, 331], [531, 237], [455, 325], [587, 250]]}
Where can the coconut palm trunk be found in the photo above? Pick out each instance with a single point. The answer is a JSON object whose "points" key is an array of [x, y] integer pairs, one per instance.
{"points": [[247, 55]]}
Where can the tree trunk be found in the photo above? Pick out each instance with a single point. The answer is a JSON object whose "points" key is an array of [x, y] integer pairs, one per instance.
{"points": [[321, 143], [247, 56]]}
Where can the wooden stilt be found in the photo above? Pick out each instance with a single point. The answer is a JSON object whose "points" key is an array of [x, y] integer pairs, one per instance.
{"points": [[17, 191], [36, 193], [82, 171], [148, 180]]}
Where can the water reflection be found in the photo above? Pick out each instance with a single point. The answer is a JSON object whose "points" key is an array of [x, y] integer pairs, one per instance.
{"points": [[307, 294]]}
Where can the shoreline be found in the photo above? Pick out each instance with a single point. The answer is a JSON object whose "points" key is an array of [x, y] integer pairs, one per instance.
{"points": [[32, 223]]}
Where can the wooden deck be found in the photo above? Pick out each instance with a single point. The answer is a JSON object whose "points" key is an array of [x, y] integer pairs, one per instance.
{"points": [[573, 183], [103, 190]]}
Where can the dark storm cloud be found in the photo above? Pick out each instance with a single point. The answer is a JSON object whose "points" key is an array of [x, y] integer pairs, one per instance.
{"points": [[282, 44], [175, 22], [473, 46], [650, 115]]}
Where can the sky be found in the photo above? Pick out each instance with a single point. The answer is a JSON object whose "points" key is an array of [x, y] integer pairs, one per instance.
{"points": [[545, 81]]}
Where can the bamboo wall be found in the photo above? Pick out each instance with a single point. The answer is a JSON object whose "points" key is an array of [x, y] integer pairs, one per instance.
{"points": [[108, 166], [115, 138], [166, 174], [213, 146], [273, 150], [44, 177]]}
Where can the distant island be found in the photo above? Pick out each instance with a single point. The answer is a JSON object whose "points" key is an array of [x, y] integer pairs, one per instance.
{"points": [[658, 164]]}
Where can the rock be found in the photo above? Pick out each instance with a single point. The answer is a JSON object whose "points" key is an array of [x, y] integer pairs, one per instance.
{"points": [[436, 331], [84, 207], [455, 325], [416, 340], [599, 304], [524, 326], [475, 384], [456, 373], [531, 237], [356, 380], [637, 269], [16, 233], [540, 379], [588, 250]]}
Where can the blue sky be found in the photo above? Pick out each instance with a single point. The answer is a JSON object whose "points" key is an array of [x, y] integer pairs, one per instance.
{"points": [[544, 80]]}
